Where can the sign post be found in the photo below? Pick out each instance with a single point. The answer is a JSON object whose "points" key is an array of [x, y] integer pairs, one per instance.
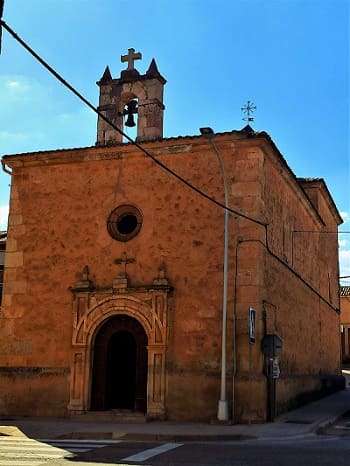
{"points": [[271, 346]]}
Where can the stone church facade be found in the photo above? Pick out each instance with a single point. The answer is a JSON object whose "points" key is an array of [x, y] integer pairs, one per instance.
{"points": [[113, 282]]}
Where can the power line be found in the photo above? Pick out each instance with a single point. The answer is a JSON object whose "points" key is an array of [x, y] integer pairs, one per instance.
{"points": [[132, 141], [1, 13]]}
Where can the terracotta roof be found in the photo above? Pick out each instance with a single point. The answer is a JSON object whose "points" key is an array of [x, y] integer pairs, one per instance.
{"points": [[345, 291]]}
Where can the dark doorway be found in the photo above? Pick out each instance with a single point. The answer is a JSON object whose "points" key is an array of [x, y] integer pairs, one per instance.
{"points": [[119, 378], [121, 371]]}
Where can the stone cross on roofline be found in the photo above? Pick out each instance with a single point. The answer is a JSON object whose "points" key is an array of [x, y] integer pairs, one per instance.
{"points": [[130, 58]]}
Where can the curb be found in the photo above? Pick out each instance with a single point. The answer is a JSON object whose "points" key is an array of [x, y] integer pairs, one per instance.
{"points": [[321, 426], [155, 437]]}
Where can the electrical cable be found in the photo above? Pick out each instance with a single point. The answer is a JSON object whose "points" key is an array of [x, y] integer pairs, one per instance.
{"points": [[135, 143], [293, 271], [1, 13]]}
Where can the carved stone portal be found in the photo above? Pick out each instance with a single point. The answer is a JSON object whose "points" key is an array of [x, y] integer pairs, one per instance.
{"points": [[92, 308]]}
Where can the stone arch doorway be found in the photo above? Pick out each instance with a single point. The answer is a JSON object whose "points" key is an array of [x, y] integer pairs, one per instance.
{"points": [[119, 369], [94, 309]]}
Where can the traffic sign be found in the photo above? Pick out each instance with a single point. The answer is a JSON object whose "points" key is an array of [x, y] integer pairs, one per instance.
{"points": [[252, 317]]}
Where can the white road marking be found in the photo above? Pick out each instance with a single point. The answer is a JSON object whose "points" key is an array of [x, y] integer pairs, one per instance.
{"points": [[39, 447], [4, 439], [79, 446], [24, 451], [145, 455], [78, 441], [20, 463], [86, 446], [19, 451], [39, 454]]}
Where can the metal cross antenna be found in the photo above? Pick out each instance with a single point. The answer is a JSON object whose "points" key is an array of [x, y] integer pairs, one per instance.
{"points": [[248, 108]]}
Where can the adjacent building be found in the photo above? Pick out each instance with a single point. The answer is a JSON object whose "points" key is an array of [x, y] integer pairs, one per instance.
{"points": [[345, 322], [3, 235]]}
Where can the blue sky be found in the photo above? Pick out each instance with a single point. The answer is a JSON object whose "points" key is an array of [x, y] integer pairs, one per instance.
{"points": [[290, 57]]}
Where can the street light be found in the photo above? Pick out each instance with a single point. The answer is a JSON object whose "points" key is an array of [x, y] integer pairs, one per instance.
{"points": [[223, 414]]}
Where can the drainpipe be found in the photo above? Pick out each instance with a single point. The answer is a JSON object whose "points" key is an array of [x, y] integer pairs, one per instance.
{"points": [[223, 412]]}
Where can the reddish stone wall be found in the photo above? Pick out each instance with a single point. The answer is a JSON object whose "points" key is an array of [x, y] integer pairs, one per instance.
{"points": [[308, 328], [26, 390], [58, 225], [60, 202], [302, 304]]}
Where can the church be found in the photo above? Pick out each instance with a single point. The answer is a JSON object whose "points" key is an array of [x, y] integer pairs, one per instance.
{"points": [[180, 278]]}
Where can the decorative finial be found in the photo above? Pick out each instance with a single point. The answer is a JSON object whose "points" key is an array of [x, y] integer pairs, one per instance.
{"points": [[83, 282], [161, 279], [248, 109], [130, 58]]}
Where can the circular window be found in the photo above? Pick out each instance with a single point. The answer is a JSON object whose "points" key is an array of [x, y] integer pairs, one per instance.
{"points": [[124, 222]]}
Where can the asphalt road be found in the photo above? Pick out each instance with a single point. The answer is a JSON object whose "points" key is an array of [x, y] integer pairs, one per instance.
{"points": [[322, 451], [325, 450]]}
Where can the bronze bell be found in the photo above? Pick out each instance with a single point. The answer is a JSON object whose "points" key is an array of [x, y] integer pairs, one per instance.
{"points": [[130, 120], [130, 110]]}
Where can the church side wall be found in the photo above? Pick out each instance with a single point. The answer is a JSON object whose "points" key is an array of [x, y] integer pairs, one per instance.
{"points": [[309, 361], [308, 326]]}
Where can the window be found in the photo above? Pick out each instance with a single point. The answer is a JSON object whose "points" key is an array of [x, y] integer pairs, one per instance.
{"points": [[124, 222]]}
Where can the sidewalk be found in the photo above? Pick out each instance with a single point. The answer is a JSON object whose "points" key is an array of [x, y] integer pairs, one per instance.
{"points": [[299, 422]]}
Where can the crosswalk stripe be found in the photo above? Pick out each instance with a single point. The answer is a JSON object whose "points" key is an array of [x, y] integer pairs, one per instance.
{"points": [[5, 443], [39, 454], [78, 441], [16, 439], [76, 445], [30, 450], [146, 454], [20, 463], [40, 447], [78, 450]]}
